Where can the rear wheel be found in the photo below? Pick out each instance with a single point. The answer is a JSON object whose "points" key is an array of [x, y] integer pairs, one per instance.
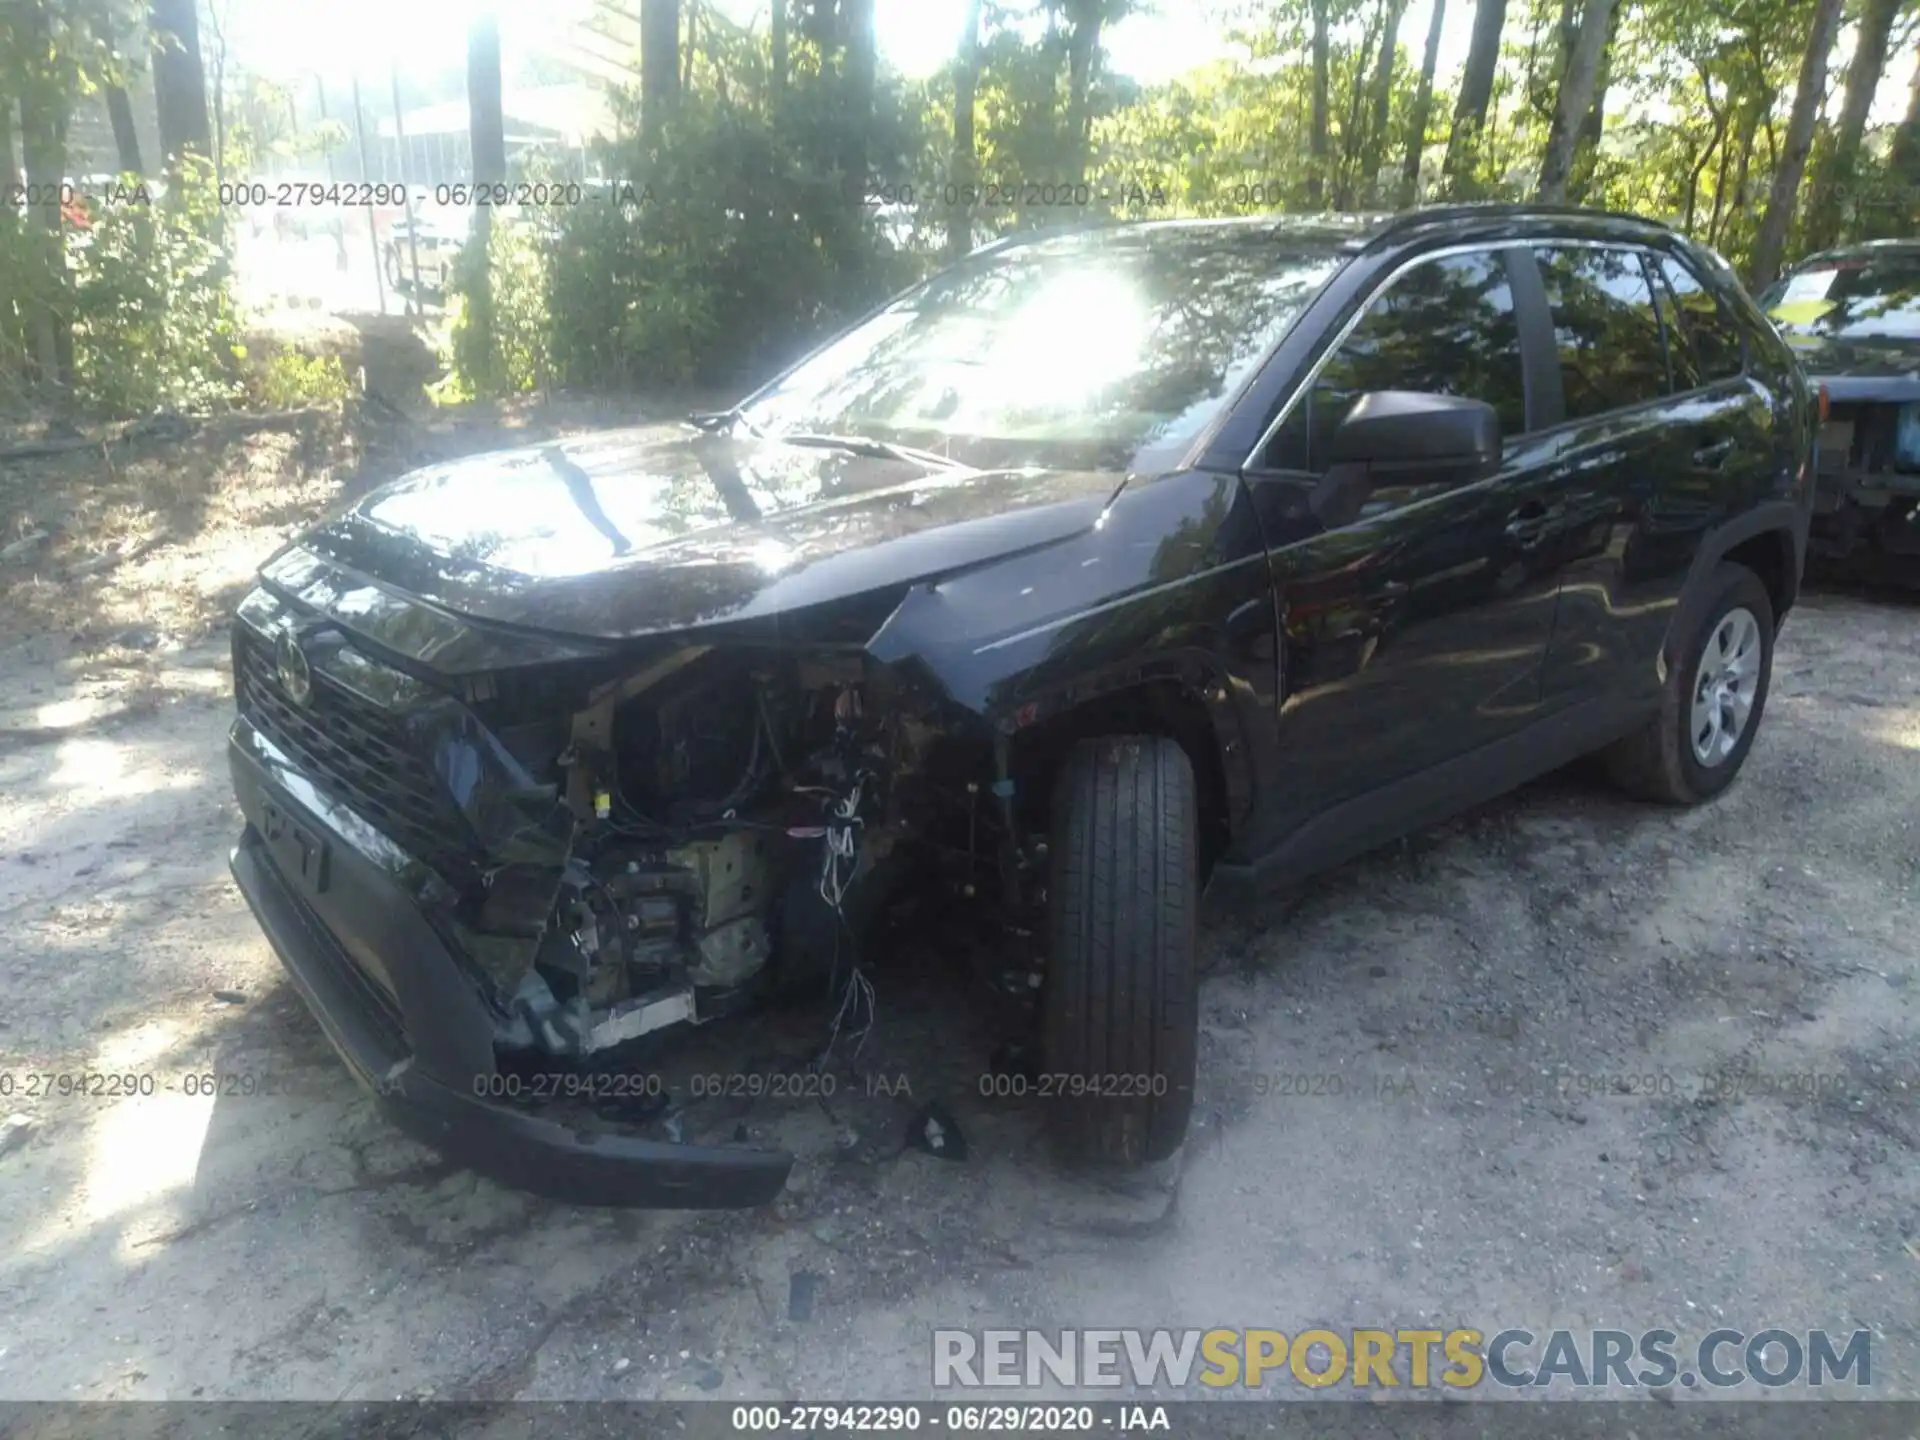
{"points": [[1120, 1024], [1711, 704]]}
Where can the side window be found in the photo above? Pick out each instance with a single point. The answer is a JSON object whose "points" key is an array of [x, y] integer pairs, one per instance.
{"points": [[1708, 340], [1445, 327], [1612, 355]]}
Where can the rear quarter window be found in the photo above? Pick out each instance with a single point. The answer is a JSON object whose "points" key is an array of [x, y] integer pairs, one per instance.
{"points": [[1707, 342]]}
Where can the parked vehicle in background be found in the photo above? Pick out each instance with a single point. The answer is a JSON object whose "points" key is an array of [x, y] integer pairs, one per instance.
{"points": [[1097, 569], [432, 239], [1852, 316]]}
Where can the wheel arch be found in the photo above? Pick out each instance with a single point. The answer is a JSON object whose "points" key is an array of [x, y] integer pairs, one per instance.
{"points": [[1769, 539], [1195, 716]]}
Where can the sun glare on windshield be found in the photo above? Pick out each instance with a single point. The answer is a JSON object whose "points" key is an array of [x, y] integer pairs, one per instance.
{"points": [[1082, 333]]}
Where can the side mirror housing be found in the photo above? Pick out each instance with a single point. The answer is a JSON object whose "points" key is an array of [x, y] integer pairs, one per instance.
{"points": [[1404, 437]]}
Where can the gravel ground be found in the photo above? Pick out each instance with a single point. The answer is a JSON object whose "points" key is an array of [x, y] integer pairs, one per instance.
{"points": [[1463, 1007]]}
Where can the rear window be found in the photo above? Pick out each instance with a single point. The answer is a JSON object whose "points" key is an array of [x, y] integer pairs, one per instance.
{"points": [[1849, 297]]}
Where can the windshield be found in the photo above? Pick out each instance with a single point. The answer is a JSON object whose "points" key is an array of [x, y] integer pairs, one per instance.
{"points": [[1853, 298], [1113, 348]]}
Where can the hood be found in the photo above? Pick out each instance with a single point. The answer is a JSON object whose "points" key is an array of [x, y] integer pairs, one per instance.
{"points": [[637, 532], [1867, 367]]}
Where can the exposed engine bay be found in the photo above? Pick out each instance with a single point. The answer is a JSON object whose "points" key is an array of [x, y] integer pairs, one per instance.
{"points": [[738, 819], [1868, 489]]}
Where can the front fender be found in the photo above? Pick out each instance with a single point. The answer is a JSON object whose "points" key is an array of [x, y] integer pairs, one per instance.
{"points": [[1171, 586]]}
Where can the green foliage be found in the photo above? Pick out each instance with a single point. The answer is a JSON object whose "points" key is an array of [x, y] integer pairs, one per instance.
{"points": [[291, 379], [154, 326], [501, 330], [741, 245], [737, 235]]}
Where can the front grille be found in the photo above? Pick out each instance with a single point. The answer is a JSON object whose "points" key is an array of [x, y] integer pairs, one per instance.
{"points": [[358, 754], [373, 1002], [1859, 437]]}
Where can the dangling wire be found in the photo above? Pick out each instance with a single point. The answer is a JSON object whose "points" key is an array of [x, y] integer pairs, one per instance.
{"points": [[840, 861]]}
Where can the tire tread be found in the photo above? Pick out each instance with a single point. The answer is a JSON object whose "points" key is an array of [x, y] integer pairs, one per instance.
{"points": [[1122, 996]]}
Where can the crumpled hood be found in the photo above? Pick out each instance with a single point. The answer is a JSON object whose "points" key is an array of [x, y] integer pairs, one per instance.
{"points": [[1864, 368], [635, 532]]}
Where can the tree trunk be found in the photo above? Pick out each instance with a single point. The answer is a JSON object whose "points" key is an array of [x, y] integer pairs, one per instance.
{"points": [[487, 141], [218, 96], [1566, 35], [12, 337], [1422, 108], [1699, 165], [43, 146], [486, 121], [1350, 142], [126, 140], [1083, 54], [966, 81], [9, 174], [1720, 177], [659, 63], [1833, 181], [688, 45], [179, 81], [1586, 145], [781, 61], [861, 62], [1476, 91], [1904, 158], [1373, 152], [1769, 247], [1903, 166], [1317, 143], [1575, 101]]}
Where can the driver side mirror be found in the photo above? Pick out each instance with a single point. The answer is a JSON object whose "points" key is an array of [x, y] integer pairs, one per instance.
{"points": [[1404, 438]]}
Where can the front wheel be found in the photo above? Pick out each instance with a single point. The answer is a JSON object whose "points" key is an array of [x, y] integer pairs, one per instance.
{"points": [[1711, 704], [1120, 1023]]}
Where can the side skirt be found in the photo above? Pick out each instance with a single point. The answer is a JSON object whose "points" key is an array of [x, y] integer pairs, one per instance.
{"points": [[1371, 820]]}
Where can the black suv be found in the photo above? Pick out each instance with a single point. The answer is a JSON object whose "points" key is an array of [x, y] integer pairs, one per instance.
{"points": [[1852, 316], [1098, 569]]}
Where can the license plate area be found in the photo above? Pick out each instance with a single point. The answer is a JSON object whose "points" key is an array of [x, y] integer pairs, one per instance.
{"points": [[300, 852]]}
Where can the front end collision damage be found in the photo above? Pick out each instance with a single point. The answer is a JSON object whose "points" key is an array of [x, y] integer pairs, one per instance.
{"points": [[624, 838]]}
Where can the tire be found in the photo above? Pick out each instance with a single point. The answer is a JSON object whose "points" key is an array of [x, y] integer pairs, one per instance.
{"points": [[1120, 1009], [1661, 761]]}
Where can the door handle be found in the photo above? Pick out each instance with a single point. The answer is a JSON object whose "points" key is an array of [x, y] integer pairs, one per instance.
{"points": [[1527, 526], [1712, 457]]}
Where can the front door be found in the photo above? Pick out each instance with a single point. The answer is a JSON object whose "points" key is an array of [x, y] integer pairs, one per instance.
{"points": [[1415, 634]]}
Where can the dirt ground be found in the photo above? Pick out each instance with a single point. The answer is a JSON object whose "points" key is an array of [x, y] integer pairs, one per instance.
{"points": [[1461, 1006]]}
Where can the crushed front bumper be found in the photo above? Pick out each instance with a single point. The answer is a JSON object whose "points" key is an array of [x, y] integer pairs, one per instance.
{"points": [[393, 999]]}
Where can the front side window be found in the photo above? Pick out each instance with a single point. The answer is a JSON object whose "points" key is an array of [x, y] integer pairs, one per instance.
{"points": [[1445, 327], [1605, 327]]}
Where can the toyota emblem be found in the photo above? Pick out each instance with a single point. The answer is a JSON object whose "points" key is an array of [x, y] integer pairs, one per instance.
{"points": [[296, 675]]}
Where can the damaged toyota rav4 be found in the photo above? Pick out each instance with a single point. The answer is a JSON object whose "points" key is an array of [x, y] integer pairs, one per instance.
{"points": [[1099, 572]]}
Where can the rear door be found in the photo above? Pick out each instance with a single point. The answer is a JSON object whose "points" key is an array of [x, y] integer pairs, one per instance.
{"points": [[1641, 458]]}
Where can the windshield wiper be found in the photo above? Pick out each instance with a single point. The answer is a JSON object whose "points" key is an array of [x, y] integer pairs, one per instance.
{"points": [[717, 422], [874, 449]]}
